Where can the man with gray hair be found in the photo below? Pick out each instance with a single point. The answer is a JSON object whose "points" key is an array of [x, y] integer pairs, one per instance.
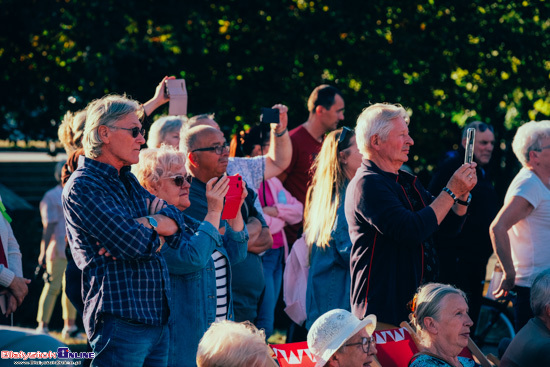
{"points": [[531, 346], [114, 236], [339, 339], [392, 217]]}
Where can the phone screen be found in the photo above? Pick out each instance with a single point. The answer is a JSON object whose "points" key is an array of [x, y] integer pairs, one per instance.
{"points": [[470, 139]]}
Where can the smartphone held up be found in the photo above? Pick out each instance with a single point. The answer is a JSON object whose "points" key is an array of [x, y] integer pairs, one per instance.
{"points": [[233, 197], [470, 139], [269, 115]]}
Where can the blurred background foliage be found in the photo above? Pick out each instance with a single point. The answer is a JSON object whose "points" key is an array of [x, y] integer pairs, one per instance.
{"points": [[447, 62]]}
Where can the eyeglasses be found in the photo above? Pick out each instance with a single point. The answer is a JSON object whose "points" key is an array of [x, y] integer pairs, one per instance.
{"points": [[343, 135], [541, 149], [179, 180], [135, 130], [365, 344], [219, 150]]}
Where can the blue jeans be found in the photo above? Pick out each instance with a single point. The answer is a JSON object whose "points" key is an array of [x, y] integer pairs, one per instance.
{"points": [[273, 273], [121, 342]]}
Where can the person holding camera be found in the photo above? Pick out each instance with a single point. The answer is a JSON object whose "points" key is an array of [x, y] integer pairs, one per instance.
{"points": [[392, 217], [207, 155]]}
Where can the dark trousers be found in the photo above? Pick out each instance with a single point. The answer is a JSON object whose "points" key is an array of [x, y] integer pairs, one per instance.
{"points": [[522, 307]]}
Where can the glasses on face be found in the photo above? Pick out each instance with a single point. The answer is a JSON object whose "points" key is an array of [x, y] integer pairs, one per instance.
{"points": [[541, 149], [365, 344], [345, 134], [179, 180], [219, 149], [482, 127], [135, 130]]}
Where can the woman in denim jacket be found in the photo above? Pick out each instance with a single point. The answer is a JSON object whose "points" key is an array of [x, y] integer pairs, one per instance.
{"points": [[199, 268], [327, 237]]}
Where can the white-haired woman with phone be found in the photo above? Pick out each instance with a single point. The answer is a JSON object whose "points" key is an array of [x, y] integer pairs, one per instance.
{"points": [[199, 268]]}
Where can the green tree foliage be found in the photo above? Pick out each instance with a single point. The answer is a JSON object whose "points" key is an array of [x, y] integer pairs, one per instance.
{"points": [[447, 61]]}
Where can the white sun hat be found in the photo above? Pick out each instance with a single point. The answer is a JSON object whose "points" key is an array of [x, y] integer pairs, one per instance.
{"points": [[331, 330]]}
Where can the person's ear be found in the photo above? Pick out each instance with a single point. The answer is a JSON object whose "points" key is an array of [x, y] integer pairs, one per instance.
{"points": [[342, 157], [103, 132], [430, 325], [192, 159], [333, 361], [319, 110], [375, 141], [464, 143]]}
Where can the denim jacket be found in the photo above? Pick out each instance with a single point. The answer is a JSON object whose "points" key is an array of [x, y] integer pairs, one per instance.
{"points": [[193, 285], [328, 285]]}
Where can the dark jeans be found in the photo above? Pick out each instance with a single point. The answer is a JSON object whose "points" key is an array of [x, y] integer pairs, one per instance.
{"points": [[122, 342], [73, 285], [522, 307]]}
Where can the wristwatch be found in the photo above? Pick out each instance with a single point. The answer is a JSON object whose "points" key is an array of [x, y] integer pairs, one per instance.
{"points": [[152, 222], [465, 203]]}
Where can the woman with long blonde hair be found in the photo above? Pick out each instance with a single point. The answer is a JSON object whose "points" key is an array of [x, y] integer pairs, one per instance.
{"points": [[325, 226]]}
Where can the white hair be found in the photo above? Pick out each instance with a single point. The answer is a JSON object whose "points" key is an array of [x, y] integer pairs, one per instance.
{"points": [[374, 120], [528, 138], [162, 127]]}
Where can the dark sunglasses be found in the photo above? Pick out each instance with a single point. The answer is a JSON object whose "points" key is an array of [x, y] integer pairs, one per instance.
{"points": [[345, 134], [365, 344], [135, 130], [219, 150], [482, 127], [179, 180]]}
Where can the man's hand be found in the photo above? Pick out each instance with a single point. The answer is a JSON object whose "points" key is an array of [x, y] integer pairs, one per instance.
{"points": [[11, 302], [506, 285], [463, 180], [283, 119], [216, 189], [19, 289]]}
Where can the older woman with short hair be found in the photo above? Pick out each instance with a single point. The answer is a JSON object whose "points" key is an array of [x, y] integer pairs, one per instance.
{"points": [[165, 130], [231, 344], [521, 229], [200, 272], [440, 315]]}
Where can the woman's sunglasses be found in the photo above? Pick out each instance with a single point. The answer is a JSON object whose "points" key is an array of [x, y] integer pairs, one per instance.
{"points": [[179, 180], [345, 134]]}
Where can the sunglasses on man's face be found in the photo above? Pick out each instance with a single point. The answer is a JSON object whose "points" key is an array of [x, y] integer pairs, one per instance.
{"points": [[135, 130], [180, 180], [482, 127]]}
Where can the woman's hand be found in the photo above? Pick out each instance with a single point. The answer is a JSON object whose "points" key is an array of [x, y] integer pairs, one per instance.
{"points": [[271, 211]]}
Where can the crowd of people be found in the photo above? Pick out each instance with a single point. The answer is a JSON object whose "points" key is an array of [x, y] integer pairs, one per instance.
{"points": [[136, 235]]}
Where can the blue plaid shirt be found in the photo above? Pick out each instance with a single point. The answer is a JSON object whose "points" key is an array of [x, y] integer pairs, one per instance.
{"points": [[100, 207]]}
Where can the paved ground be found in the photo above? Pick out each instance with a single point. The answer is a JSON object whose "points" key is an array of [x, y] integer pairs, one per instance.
{"points": [[30, 157]]}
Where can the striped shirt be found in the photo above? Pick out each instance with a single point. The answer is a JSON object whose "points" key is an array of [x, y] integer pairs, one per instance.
{"points": [[99, 207], [220, 264]]}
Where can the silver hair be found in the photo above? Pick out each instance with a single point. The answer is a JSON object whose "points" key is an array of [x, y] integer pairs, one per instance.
{"points": [[105, 111], [162, 127], [189, 137], [156, 163], [540, 293], [428, 301], [528, 138], [374, 120]]}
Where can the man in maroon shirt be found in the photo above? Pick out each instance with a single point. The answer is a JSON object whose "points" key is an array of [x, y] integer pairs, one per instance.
{"points": [[326, 109]]}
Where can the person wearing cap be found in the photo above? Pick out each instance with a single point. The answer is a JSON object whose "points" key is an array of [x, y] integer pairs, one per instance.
{"points": [[338, 338]]}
